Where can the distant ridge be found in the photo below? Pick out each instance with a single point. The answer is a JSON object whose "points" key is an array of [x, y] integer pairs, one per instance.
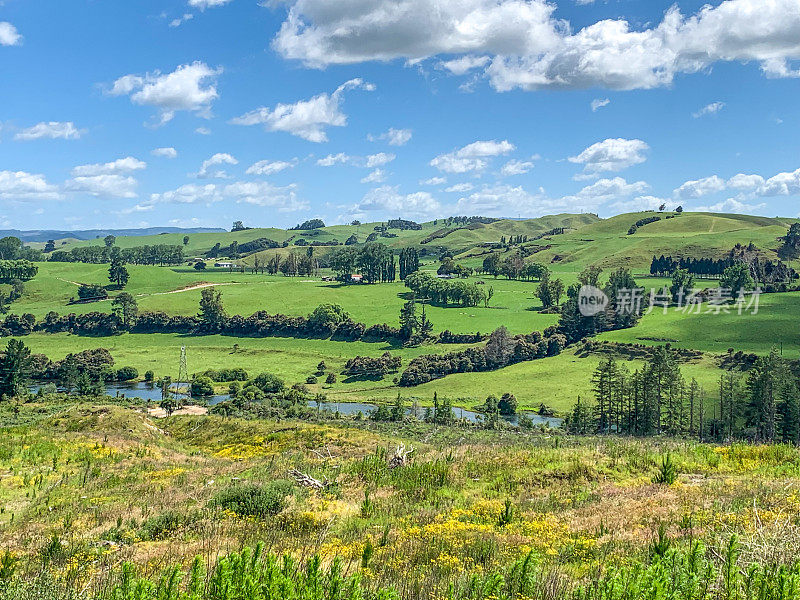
{"points": [[42, 235]]}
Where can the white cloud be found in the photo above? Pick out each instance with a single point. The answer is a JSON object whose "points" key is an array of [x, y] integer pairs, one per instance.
{"points": [[190, 87], [471, 157], [604, 190], [19, 185], [51, 130], [335, 159], [165, 152], [642, 203], [9, 36], [460, 188], [700, 187], [709, 109], [532, 49], [376, 176], [203, 131], [379, 159], [611, 155], [117, 167], [516, 167], [506, 201], [270, 167], [731, 205], [395, 137], [203, 4], [465, 64], [599, 103], [260, 193], [434, 181], [103, 186], [217, 159], [307, 119], [782, 184], [388, 199], [181, 20], [744, 182]]}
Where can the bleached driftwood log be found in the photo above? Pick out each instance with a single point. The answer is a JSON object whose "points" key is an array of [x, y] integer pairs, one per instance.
{"points": [[400, 458], [307, 481]]}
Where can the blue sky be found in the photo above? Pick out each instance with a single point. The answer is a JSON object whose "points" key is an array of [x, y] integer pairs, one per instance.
{"points": [[201, 112]]}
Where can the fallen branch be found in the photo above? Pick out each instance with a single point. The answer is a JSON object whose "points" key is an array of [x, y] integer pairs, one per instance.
{"points": [[400, 457], [306, 480]]}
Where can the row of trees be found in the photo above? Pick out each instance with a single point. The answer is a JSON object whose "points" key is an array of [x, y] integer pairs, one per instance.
{"points": [[444, 291], [513, 267], [409, 262], [763, 405], [23, 270], [374, 261], [158, 254]]}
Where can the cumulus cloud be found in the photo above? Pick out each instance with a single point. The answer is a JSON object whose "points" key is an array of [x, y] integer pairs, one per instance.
{"points": [[782, 184], [20, 185], [218, 159], [744, 182], [376, 176], [379, 159], [117, 167], [599, 103], [283, 199], [388, 200], [434, 181], [642, 203], [529, 48], [204, 4], [51, 130], [165, 152], [270, 167], [190, 87], [395, 137], [516, 167], [465, 64], [731, 205], [611, 155], [103, 186], [9, 36], [307, 119], [460, 188], [700, 187], [709, 109], [471, 157], [335, 159], [506, 201]]}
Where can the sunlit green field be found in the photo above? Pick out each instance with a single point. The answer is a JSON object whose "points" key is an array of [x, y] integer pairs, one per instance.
{"points": [[777, 324]]}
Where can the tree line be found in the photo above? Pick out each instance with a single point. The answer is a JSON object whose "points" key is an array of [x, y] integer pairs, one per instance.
{"points": [[159, 254], [374, 261], [24, 270], [445, 291], [760, 405]]}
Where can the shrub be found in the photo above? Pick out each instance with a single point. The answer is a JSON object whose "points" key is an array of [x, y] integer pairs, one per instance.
{"points": [[269, 383], [331, 378], [159, 526], [507, 404], [200, 266], [91, 291], [311, 379], [667, 472], [149, 376], [252, 500], [202, 386], [127, 374]]}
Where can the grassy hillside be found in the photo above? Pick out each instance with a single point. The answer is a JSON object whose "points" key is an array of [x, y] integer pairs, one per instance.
{"points": [[90, 487]]}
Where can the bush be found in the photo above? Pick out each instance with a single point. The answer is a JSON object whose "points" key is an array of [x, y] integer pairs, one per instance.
{"points": [[202, 386], [149, 376], [326, 317], [269, 383], [91, 291], [159, 526], [331, 378], [200, 266], [127, 374], [507, 404], [252, 500], [221, 375], [311, 379]]}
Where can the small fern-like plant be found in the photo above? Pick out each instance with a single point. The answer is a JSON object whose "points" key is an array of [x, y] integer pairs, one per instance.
{"points": [[667, 472]]}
